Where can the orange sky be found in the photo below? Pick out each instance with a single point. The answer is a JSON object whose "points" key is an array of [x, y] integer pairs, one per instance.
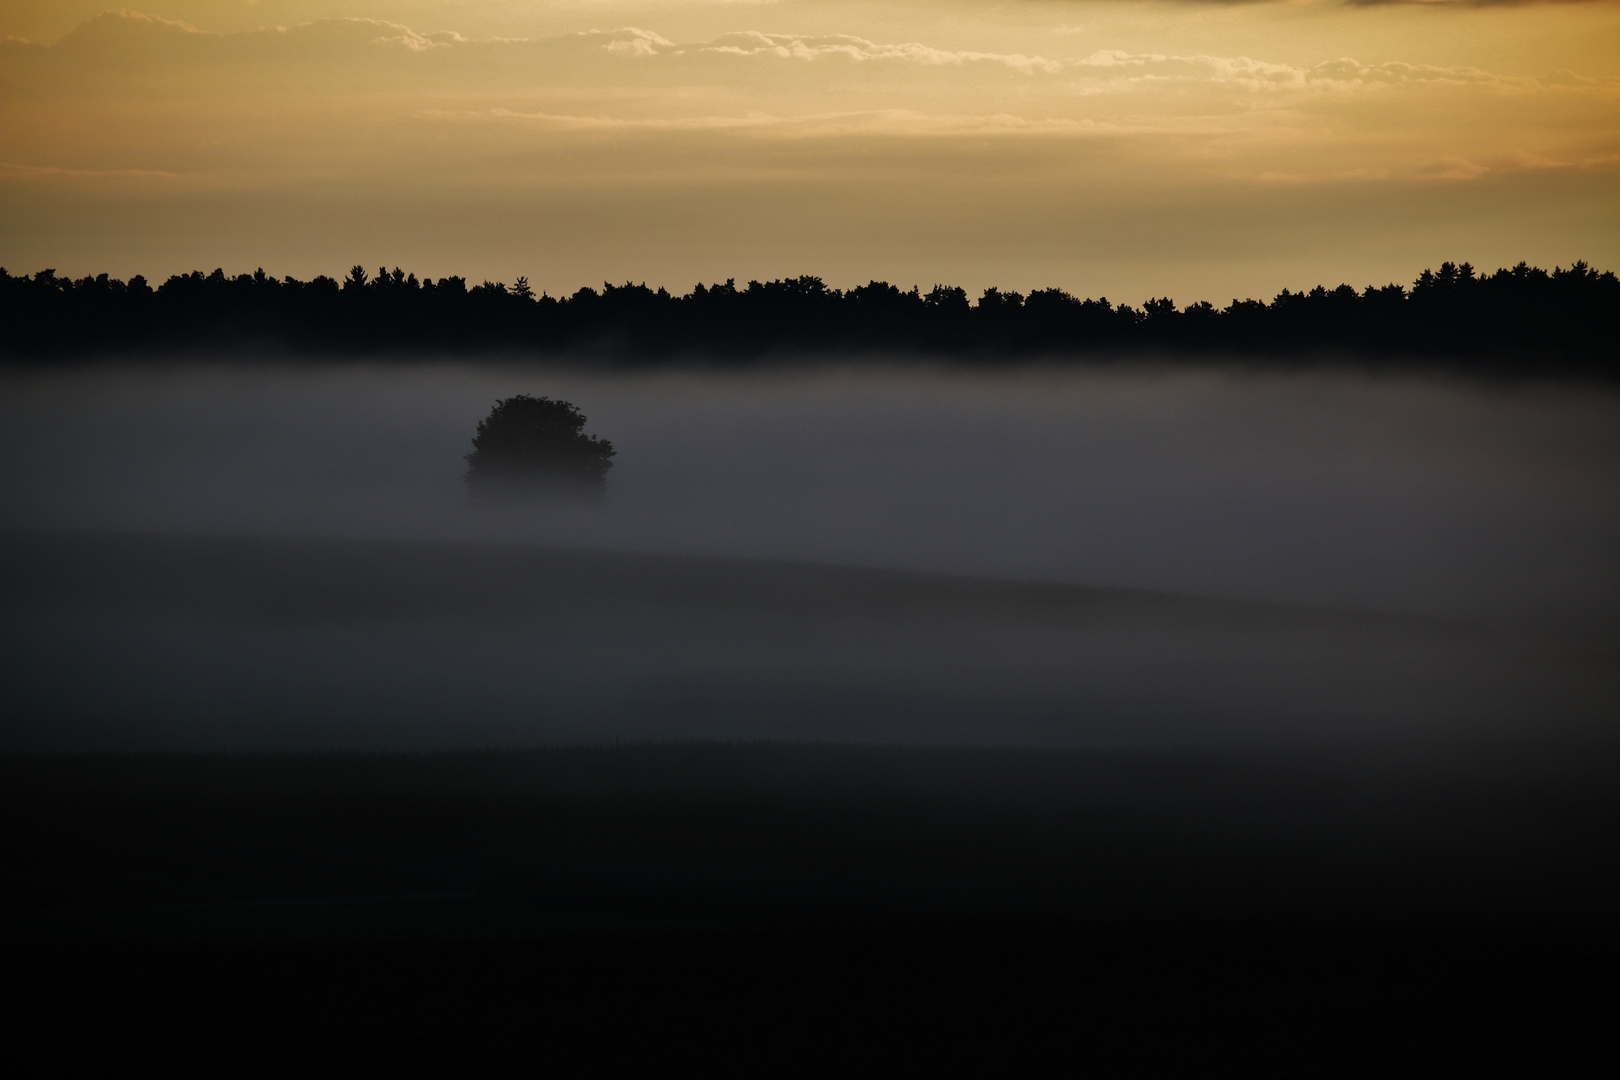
{"points": [[1204, 150]]}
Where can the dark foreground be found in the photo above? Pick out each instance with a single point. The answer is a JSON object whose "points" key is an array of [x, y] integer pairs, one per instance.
{"points": [[816, 910], [1108, 1001], [1195, 837]]}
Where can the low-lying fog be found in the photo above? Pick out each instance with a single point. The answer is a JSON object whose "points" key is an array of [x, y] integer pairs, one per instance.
{"points": [[1494, 504], [1404, 494]]}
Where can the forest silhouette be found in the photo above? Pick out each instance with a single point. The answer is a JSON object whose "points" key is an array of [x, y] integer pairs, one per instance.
{"points": [[1524, 319]]}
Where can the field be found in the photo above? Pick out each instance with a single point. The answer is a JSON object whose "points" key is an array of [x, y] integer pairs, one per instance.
{"points": [[1170, 829], [304, 750], [804, 908]]}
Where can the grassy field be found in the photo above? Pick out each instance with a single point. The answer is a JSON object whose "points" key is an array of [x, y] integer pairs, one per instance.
{"points": [[778, 818], [815, 909]]}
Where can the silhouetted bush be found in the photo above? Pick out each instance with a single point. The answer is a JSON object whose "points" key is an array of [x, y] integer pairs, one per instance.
{"points": [[1519, 321], [535, 444]]}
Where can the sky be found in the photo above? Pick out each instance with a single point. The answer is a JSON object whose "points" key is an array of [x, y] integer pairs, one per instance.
{"points": [[1199, 150]]}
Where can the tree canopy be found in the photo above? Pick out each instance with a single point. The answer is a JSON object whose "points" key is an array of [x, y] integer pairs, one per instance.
{"points": [[530, 442], [1523, 319]]}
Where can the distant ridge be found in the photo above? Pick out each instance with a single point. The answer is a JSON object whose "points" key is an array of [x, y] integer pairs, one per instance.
{"points": [[1518, 321]]}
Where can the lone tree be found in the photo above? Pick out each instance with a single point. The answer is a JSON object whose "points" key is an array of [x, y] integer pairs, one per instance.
{"points": [[532, 443]]}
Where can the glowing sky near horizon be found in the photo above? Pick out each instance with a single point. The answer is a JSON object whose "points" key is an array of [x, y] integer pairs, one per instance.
{"points": [[1199, 150]]}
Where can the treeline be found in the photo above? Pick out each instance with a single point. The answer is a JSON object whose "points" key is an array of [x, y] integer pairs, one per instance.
{"points": [[1523, 318]]}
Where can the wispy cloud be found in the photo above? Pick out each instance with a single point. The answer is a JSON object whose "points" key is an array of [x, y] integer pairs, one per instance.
{"points": [[1469, 3], [346, 48], [887, 122], [11, 169], [1343, 72]]}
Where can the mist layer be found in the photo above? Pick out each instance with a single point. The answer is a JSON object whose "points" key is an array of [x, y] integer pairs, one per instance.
{"points": [[1452, 499], [288, 558]]}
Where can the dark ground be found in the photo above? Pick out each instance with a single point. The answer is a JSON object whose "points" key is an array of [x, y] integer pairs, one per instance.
{"points": [[1112, 1000], [1191, 837], [814, 910]]}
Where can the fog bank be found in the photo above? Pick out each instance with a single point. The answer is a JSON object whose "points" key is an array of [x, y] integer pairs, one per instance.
{"points": [[1455, 499]]}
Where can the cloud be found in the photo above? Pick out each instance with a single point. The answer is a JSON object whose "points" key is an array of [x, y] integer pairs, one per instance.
{"points": [[886, 122], [859, 50], [134, 35], [1422, 3], [1262, 75], [1469, 3], [14, 170], [144, 40], [131, 50]]}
